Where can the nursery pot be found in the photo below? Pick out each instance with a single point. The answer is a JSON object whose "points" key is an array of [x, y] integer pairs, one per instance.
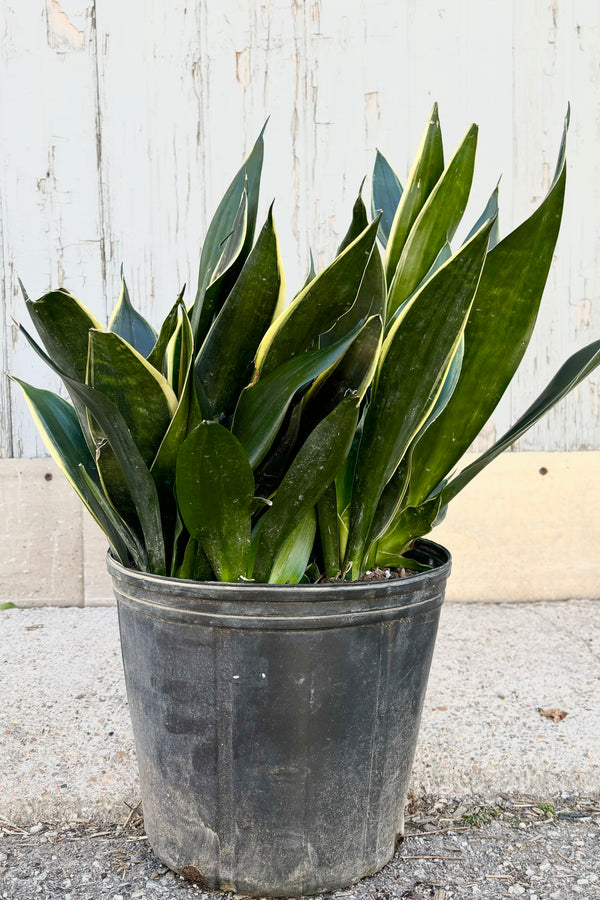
{"points": [[275, 725]]}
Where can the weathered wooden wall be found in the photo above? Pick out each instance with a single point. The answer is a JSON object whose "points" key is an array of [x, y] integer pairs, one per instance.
{"points": [[122, 122]]}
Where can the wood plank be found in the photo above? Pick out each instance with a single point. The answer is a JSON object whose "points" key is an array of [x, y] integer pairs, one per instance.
{"points": [[554, 48], [48, 183]]}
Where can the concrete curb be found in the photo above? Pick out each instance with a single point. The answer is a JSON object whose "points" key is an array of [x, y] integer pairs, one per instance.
{"points": [[67, 746]]}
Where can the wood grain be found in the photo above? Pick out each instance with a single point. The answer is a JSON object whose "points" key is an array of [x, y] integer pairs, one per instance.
{"points": [[121, 123]]}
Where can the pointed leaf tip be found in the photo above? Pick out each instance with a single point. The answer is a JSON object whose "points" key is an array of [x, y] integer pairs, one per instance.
{"points": [[129, 324], [23, 291]]}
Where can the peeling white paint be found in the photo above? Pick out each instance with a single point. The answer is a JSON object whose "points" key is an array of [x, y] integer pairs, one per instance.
{"points": [[546, 177], [583, 314], [60, 274], [242, 67], [595, 394], [372, 117], [62, 34]]}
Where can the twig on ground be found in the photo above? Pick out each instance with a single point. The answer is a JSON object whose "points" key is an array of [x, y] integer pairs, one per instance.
{"points": [[17, 828], [132, 812], [438, 831], [572, 862]]}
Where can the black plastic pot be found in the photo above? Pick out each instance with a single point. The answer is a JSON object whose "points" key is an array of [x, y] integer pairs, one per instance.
{"points": [[276, 725]]}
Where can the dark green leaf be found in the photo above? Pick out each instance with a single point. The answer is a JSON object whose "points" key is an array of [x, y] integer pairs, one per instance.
{"points": [[214, 491], [139, 480], [318, 306], [357, 225], [23, 291], [295, 553], [370, 301], [498, 331], [311, 574], [187, 416], [414, 362], [405, 562], [247, 179], [443, 256], [327, 517], [263, 405], [168, 328], [142, 395], [391, 500], [448, 387], [313, 468], [144, 399], [345, 477], [129, 324], [181, 539], [269, 473], [426, 170], [114, 527], [194, 565], [311, 272], [63, 323], [352, 373], [223, 275], [386, 192], [413, 522], [436, 223], [225, 362], [184, 419], [490, 212]]}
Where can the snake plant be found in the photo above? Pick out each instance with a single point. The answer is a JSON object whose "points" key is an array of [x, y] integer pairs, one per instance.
{"points": [[252, 438]]}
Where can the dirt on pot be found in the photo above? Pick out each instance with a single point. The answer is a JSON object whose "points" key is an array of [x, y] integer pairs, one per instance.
{"points": [[387, 574], [377, 574]]}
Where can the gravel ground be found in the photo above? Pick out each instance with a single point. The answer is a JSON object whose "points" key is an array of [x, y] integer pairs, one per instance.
{"points": [[517, 847]]}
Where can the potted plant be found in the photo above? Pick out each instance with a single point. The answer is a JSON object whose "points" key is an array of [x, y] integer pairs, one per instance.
{"points": [[264, 473]]}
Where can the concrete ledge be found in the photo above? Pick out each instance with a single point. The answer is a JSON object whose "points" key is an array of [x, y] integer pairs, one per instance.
{"points": [[41, 549], [528, 528]]}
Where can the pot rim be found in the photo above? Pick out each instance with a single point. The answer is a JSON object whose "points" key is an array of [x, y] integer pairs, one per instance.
{"points": [[437, 556], [283, 606]]}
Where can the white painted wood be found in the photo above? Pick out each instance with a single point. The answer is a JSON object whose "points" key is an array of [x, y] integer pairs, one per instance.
{"points": [[48, 182], [552, 66], [122, 123]]}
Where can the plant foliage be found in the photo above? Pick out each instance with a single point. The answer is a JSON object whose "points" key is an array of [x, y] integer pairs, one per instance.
{"points": [[250, 439]]}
